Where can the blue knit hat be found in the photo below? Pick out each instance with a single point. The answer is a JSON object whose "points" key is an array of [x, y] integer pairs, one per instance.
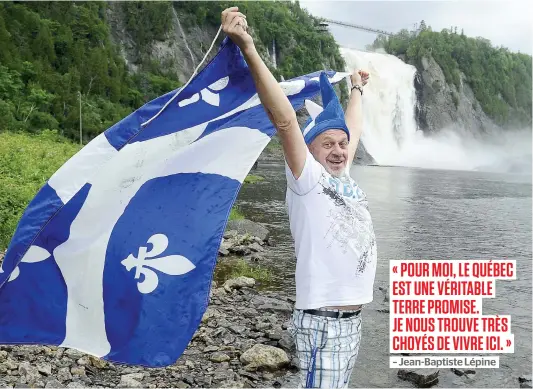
{"points": [[327, 118]]}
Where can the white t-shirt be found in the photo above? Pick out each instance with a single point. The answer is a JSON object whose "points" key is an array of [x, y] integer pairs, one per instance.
{"points": [[334, 238]]}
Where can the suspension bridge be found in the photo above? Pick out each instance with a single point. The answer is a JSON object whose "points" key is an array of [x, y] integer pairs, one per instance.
{"points": [[326, 22]]}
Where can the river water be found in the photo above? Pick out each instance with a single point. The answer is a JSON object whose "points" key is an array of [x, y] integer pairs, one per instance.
{"points": [[429, 215]]}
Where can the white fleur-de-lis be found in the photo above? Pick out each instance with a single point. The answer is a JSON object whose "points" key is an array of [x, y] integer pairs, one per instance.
{"points": [[206, 94], [173, 265], [34, 254]]}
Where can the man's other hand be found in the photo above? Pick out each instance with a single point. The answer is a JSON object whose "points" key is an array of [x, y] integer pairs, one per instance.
{"points": [[359, 77]]}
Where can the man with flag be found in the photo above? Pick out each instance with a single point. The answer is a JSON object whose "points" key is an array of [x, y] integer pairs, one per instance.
{"points": [[329, 218], [114, 256]]}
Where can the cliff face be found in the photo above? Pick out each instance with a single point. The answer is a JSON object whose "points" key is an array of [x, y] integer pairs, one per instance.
{"points": [[179, 53], [441, 105]]}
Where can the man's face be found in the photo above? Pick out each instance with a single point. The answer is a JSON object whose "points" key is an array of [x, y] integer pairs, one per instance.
{"points": [[331, 149]]}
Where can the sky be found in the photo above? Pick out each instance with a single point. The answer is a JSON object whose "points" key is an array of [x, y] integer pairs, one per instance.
{"points": [[504, 23]]}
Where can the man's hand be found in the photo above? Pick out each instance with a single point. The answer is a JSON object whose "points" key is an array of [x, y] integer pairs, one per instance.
{"points": [[235, 27], [359, 77]]}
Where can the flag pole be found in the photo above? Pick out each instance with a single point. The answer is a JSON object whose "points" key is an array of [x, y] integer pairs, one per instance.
{"points": [[81, 131]]}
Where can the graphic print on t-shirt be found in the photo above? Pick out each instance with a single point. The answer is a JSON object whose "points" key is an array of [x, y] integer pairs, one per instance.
{"points": [[351, 226]]}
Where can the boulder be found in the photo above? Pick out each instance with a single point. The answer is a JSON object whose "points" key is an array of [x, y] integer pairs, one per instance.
{"points": [[263, 356], [248, 227], [271, 304], [238, 283], [423, 378]]}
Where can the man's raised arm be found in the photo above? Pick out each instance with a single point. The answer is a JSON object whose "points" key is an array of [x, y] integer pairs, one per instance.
{"points": [[276, 104], [354, 113]]}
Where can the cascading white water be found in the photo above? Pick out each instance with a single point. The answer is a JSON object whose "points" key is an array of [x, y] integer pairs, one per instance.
{"points": [[390, 132], [388, 104]]}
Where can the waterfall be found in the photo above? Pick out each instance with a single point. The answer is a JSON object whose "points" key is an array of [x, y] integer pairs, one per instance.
{"points": [[388, 104], [391, 136], [184, 36], [274, 54]]}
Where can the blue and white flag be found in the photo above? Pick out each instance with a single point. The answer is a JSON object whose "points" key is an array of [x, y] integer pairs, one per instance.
{"points": [[115, 254]]}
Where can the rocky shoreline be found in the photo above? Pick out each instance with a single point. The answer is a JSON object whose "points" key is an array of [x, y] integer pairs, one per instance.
{"points": [[241, 342]]}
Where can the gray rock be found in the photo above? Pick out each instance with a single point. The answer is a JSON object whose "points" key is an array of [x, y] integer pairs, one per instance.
{"points": [[230, 234], [236, 329], [44, 368], [248, 227], [525, 381], [262, 356], [29, 372], [255, 257], [210, 313], [10, 364], [204, 382], [385, 294], [98, 363], [77, 370], [274, 334], [238, 283], [84, 361], [74, 354], [458, 372], [221, 375], [271, 304], [188, 379], [256, 247], [231, 384], [249, 375], [53, 383], [210, 349], [249, 312], [3, 355], [223, 251], [295, 362], [219, 357], [241, 250], [286, 342], [131, 380], [76, 384], [63, 374], [423, 378]]}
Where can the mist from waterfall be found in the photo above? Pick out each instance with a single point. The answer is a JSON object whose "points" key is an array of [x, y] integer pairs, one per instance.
{"points": [[391, 136]]}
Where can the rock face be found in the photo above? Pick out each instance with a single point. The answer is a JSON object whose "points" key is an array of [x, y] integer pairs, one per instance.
{"points": [[442, 105]]}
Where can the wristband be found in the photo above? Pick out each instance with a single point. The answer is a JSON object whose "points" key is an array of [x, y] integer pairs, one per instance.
{"points": [[358, 87]]}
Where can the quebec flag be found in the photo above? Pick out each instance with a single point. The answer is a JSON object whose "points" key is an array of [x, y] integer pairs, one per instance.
{"points": [[115, 254]]}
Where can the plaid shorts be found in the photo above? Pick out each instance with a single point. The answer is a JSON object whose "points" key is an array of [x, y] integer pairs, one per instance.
{"points": [[326, 347]]}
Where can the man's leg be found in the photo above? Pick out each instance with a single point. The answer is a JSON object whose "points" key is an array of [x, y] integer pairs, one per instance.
{"points": [[327, 348]]}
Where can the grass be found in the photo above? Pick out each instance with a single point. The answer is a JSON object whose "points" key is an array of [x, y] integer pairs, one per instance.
{"points": [[235, 214], [252, 179], [26, 163], [241, 267]]}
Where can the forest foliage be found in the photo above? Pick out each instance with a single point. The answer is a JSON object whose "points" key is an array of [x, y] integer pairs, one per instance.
{"points": [[55, 55]]}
